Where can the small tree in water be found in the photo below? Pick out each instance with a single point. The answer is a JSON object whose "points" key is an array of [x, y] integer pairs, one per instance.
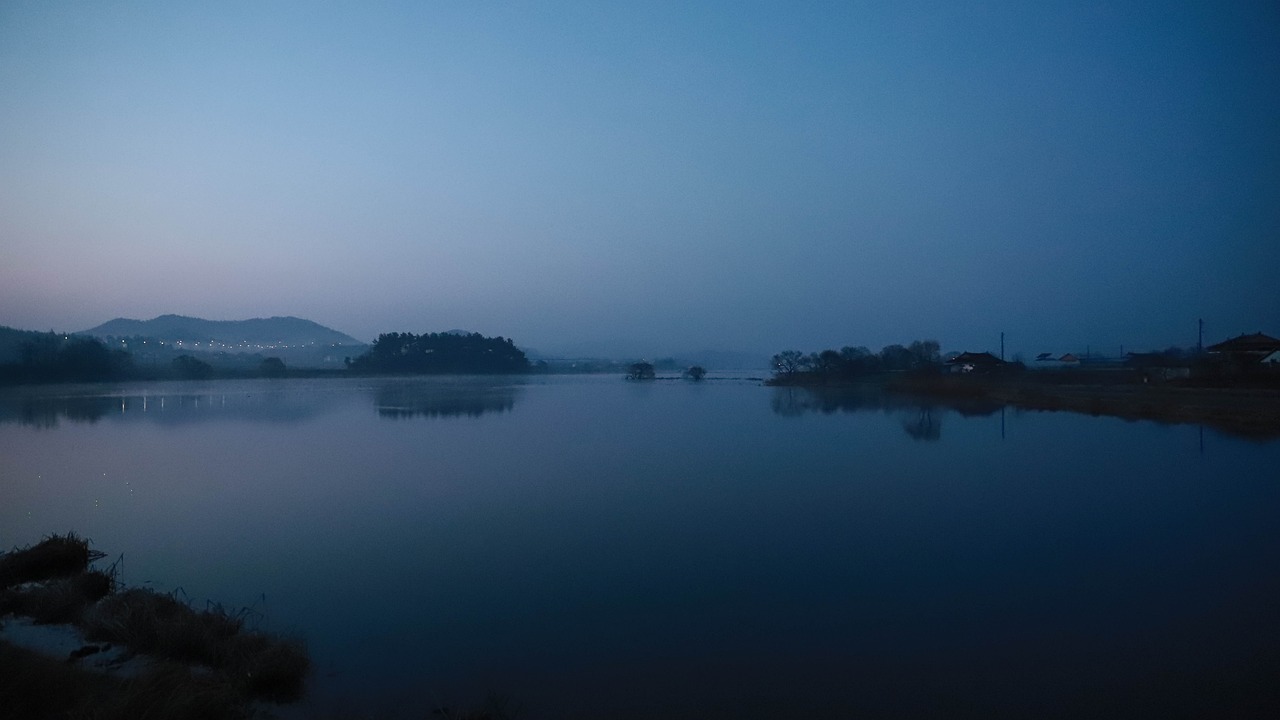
{"points": [[641, 371], [697, 372]]}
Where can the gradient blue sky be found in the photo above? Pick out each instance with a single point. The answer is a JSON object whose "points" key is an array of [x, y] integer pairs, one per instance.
{"points": [[649, 177]]}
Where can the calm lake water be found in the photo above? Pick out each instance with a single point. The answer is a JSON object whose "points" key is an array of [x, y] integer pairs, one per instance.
{"points": [[593, 548]]}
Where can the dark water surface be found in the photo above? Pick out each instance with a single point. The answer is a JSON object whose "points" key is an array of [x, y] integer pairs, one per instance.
{"points": [[595, 548]]}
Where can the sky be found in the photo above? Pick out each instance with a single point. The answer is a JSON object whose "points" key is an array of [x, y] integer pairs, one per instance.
{"points": [[649, 178]]}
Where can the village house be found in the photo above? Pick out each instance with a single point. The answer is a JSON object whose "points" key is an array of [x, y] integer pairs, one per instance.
{"points": [[1247, 347], [1245, 353], [967, 362]]}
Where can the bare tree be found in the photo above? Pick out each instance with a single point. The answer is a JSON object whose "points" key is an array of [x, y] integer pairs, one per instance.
{"points": [[790, 362]]}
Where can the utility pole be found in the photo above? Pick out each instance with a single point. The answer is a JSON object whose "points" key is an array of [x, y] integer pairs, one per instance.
{"points": [[1200, 337], [1002, 346]]}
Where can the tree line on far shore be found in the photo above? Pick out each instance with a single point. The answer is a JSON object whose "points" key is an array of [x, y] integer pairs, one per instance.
{"points": [[852, 362], [50, 357], [36, 357]]}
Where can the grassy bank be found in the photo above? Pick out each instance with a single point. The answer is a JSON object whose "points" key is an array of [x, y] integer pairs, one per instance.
{"points": [[198, 664]]}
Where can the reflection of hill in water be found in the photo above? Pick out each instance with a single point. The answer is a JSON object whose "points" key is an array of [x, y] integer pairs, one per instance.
{"points": [[443, 399], [921, 417], [48, 410], [46, 407]]}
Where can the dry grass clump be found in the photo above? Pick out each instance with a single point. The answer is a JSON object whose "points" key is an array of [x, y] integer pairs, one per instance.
{"points": [[62, 600], [203, 665], [270, 668], [171, 692], [36, 687], [264, 667], [155, 624], [55, 556]]}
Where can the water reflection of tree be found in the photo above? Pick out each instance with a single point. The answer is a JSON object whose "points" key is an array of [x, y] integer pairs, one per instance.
{"points": [[46, 411], [801, 400], [442, 401], [925, 426], [921, 418]]}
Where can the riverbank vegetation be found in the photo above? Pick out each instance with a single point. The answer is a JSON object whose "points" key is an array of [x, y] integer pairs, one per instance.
{"points": [[41, 358], [35, 357], [30, 358], [196, 664], [1229, 391], [792, 367]]}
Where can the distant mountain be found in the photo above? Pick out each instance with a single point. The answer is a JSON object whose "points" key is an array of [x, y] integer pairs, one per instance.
{"points": [[274, 331]]}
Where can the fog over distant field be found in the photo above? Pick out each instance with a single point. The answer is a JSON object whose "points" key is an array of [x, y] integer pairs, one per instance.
{"points": [[648, 178]]}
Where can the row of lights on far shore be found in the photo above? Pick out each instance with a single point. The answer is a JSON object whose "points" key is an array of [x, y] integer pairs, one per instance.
{"points": [[225, 346]]}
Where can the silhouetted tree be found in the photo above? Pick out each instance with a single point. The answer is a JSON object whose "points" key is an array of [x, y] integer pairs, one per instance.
{"points": [[191, 368], [896, 357], [272, 367], [925, 353], [859, 360], [826, 362], [641, 371], [789, 362], [697, 372], [850, 362], [48, 357]]}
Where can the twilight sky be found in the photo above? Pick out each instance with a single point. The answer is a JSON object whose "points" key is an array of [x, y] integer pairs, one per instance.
{"points": [[649, 177]]}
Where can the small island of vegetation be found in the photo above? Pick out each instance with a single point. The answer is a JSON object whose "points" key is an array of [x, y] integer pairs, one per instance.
{"points": [[440, 353]]}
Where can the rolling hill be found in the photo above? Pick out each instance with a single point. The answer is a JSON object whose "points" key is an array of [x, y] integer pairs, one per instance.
{"points": [[273, 331]]}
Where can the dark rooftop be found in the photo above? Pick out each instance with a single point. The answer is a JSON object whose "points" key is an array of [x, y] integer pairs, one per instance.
{"points": [[1254, 343]]}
